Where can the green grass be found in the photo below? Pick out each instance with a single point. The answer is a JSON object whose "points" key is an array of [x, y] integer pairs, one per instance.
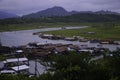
{"points": [[3, 57], [16, 27], [28, 26], [100, 33]]}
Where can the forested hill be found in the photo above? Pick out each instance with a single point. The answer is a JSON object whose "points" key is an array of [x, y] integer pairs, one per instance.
{"points": [[54, 11], [80, 17], [59, 14], [90, 17], [60, 11], [4, 15]]}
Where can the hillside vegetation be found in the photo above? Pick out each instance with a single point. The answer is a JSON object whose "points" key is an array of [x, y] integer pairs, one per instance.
{"points": [[74, 66]]}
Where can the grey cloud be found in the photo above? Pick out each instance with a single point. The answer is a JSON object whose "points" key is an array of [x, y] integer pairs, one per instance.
{"points": [[27, 6]]}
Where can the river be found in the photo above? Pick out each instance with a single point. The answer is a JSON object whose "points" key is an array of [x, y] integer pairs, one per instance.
{"points": [[18, 38]]}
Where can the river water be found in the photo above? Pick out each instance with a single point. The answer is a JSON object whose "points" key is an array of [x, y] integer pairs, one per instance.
{"points": [[18, 38]]}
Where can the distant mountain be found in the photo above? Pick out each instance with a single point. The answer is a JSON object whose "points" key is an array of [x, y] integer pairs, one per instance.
{"points": [[59, 11], [54, 11], [86, 12], [4, 15], [73, 12], [107, 12], [72, 17], [91, 17]]}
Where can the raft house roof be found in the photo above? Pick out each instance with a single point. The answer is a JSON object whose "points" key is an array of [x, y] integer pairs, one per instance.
{"points": [[20, 68], [15, 60]]}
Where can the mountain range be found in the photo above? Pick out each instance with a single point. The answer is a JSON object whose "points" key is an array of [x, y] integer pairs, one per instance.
{"points": [[59, 11], [54, 11], [4, 15]]}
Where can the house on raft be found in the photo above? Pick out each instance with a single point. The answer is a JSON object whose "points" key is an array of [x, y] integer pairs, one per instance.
{"points": [[15, 65], [18, 64]]}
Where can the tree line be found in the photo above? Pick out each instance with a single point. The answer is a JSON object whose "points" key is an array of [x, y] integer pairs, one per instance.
{"points": [[72, 66], [81, 17]]}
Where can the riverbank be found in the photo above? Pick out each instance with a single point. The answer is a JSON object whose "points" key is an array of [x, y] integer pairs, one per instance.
{"points": [[18, 38], [101, 30], [90, 33], [18, 27], [30, 26]]}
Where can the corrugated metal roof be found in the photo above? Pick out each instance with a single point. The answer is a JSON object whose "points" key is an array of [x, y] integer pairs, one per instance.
{"points": [[20, 68], [15, 60], [7, 71]]}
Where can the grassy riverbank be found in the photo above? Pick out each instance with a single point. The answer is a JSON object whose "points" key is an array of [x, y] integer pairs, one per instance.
{"points": [[16, 27], [100, 33], [102, 30], [29, 26]]}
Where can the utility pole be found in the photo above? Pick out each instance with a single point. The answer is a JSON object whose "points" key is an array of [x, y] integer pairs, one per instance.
{"points": [[35, 66], [35, 63], [0, 43], [19, 52], [0, 39]]}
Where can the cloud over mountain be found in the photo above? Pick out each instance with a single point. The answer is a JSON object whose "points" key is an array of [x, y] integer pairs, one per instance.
{"points": [[28, 6]]}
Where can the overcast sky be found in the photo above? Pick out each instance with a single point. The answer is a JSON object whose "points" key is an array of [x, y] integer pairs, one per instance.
{"points": [[21, 7]]}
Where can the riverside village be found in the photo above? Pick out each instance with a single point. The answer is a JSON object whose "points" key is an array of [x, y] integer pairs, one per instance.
{"points": [[29, 59]]}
